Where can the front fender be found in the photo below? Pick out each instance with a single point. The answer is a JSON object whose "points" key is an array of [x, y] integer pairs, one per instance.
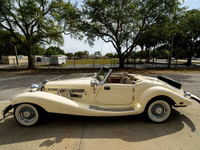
{"points": [[50, 102], [155, 91]]}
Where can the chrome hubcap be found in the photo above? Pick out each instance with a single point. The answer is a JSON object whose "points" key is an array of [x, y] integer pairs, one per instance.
{"points": [[159, 110], [26, 114]]}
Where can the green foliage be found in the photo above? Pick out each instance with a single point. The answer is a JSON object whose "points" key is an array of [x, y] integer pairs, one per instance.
{"points": [[188, 36], [79, 54], [86, 53], [7, 43], [38, 50], [97, 53], [122, 22], [110, 55], [40, 22], [70, 55], [140, 54], [53, 50], [6, 47]]}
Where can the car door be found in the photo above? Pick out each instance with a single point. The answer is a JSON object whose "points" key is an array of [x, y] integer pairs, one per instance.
{"points": [[115, 94]]}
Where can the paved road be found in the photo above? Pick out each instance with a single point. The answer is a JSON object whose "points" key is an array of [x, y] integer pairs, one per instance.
{"points": [[181, 131]]}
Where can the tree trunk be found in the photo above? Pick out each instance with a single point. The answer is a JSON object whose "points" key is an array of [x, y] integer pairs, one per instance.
{"points": [[121, 62], [31, 63], [189, 61], [190, 54], [154, 53], [147, 54]]}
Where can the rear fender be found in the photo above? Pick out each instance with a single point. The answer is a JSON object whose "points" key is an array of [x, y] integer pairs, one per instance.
{"points": [[156, 91]]}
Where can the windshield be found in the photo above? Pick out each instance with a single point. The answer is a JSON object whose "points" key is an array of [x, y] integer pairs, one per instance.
{"points": [[102, 74]]}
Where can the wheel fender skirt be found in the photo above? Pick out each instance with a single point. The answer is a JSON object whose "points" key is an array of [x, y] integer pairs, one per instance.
{"points": [[194, 97]]}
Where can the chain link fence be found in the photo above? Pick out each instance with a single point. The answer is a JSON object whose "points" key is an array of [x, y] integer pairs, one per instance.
{"points": [[56, 63]]}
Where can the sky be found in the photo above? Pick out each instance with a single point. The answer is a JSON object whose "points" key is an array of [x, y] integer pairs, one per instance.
{"points": [[72, 45]]}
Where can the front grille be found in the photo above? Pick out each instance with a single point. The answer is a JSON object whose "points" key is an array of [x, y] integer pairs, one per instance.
{"points": [[52, 89], [76, 95]]}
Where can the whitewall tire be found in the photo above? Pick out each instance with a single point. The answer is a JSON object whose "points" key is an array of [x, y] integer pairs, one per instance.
{"points": [[159, 111], [26, 114]]}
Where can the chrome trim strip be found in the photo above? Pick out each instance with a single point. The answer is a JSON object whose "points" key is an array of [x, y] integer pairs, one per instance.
{"points": [[110, 109]]}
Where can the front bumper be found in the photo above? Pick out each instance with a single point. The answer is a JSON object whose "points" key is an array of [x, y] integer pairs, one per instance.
{"points": [[4, 112], [194, 97]]}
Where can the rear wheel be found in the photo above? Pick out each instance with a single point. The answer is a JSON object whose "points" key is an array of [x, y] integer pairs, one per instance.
{"points": [[158, 111], [26, 114]]}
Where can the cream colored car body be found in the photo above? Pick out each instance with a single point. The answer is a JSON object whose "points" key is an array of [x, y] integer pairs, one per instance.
{"points": [[91, 97]]}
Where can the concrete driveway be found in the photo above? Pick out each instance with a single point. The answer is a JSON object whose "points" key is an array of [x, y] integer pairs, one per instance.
{"points": [[180, 132]]}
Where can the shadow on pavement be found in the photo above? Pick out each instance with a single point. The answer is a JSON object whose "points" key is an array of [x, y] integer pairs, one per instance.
{"points": [[56, 128]]}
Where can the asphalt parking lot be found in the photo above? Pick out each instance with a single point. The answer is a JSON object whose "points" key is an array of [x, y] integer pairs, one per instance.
{"points": [[181, 131]]}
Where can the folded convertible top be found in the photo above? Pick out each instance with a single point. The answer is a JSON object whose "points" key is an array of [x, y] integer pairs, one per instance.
{"points": [[170, 81]]}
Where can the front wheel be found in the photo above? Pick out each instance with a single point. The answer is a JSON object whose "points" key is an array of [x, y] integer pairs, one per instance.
{"points": [[26, 114], [158, 111]]}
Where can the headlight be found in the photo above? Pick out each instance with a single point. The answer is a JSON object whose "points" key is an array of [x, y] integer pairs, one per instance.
{"points": [[34, 86], [187, 94]]}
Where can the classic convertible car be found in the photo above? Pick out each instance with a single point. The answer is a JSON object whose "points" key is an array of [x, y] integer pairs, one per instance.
{"points": [[104, 94]]}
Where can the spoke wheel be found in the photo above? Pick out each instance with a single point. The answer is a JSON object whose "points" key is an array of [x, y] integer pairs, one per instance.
{"points": [[159, 111], [26, 114]]}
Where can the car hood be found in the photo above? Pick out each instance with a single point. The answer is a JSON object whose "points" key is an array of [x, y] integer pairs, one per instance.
{"points": [[78, 82]]}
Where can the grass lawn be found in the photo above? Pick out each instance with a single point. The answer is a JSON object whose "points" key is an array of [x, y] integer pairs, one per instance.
{"points": [[91, 61]]}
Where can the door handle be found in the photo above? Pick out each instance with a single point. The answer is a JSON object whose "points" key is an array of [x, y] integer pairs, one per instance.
{"points": [[106, 88]]}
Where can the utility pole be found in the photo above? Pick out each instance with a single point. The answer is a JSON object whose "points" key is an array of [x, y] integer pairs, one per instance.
{"points": [[171, 50], [16, 55]]}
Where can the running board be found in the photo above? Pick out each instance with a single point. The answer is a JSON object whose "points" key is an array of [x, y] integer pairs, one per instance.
{"points": [[110, 109]]}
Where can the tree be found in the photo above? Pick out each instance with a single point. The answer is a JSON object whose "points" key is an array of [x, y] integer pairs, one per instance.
{"points": [[97, 53], [110, 55], [86, 53], [38, 50], [53, 50], [188, 37], [79, 54], [37, 21], [122, 22], [69, 55], [7, 44]]}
